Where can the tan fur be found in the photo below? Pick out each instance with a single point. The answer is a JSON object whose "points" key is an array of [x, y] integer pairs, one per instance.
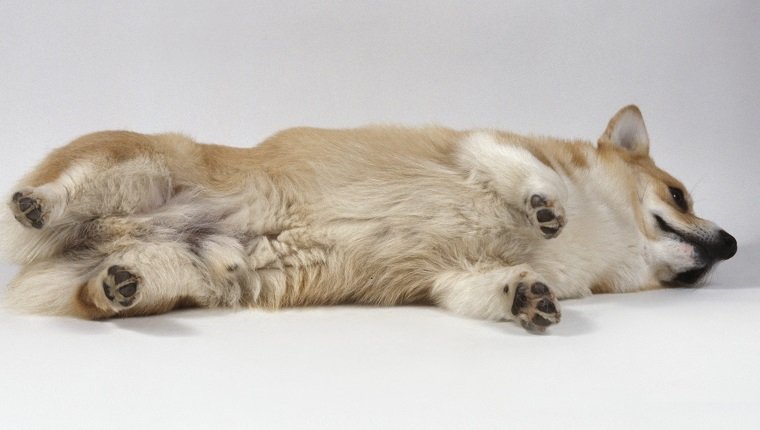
{"points": [[376, 215]]}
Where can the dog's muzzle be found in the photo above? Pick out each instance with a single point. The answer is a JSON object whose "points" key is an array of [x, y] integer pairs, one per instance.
{"points": [[721, 246]]}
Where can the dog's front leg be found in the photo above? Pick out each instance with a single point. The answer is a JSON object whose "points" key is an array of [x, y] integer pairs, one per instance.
{"points": [[533, 189], [506, 293]]}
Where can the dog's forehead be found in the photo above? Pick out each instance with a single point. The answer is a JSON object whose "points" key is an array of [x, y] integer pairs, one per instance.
{"points": [[640, 164], [647, 166]]}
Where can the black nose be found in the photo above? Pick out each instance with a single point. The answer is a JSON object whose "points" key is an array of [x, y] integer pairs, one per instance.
{"points": [[726, 246]]}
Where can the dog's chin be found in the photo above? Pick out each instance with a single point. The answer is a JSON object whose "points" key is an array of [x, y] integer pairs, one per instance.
{"points": [[689, 278]]}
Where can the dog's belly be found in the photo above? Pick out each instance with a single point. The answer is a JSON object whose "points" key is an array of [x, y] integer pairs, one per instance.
{"points": [[378, 261]]}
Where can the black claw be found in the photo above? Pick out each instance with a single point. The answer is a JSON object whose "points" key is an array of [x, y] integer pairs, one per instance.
{"points": [[127, 302], [520, 299], [107, 291], [549, 231], [537, 200], [546, 306], [545, 215], [24, 203], [17, 196], [34, 215], [540, 321], [122, 276], [506, 289], [532, 327], [128, 290], [539, 289]]}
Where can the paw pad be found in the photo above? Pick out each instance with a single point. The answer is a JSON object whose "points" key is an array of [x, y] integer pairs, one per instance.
{"points": [[28, 210], [121, 286], [546, 214], [535, 306]]}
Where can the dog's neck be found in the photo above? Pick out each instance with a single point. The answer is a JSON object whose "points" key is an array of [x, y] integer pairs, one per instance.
{"points": [[602, 248]]}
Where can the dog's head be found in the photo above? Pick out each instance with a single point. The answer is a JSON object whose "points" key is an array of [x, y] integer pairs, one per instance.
{"points": [[682, 246]]}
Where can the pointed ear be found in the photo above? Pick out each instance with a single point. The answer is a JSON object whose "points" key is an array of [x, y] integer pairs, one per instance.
{"points": [[627, 130]]}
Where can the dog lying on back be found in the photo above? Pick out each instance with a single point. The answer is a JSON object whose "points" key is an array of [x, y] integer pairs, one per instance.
{"points": [[487, 224]]}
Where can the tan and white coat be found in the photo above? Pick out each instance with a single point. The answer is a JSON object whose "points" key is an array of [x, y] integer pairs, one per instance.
{"points": [[485, 223]]}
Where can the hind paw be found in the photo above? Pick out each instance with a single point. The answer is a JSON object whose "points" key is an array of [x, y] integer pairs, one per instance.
{"points": [[546, 214], [28, 209], [121, 287]]}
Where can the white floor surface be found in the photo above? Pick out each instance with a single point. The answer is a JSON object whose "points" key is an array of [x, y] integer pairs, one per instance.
{"points": [[681, 358]]}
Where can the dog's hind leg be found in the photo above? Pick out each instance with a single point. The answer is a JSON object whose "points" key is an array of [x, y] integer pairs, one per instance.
{"points": [[505, 293], [144, 279], [92, 187], [137, 276], [183, 254], [79, 182]]}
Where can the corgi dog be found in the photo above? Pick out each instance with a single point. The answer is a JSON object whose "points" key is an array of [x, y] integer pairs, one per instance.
{"points": [[487, 224]]}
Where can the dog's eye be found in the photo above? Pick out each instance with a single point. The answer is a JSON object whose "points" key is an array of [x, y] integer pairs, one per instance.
{"points": [[678, 198]]}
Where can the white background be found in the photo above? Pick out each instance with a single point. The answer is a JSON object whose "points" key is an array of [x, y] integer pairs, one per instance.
{"points": [[234, 72]]}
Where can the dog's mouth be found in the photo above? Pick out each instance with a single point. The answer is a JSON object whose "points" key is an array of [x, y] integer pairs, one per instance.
{"points": [[689, 277], [704, 261]]}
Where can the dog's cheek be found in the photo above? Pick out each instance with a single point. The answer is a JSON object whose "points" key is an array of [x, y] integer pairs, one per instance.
{"points": [[678, 256]]}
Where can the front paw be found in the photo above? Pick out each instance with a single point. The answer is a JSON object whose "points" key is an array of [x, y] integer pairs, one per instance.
{"points": [[546, 214], [28, 209], [534, 305]]}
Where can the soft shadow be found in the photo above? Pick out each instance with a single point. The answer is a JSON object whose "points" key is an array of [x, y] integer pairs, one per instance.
{"points": [[573, 323], [664, 297], [81, 326], [171, 324], [164, 325], [204, 313]]}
